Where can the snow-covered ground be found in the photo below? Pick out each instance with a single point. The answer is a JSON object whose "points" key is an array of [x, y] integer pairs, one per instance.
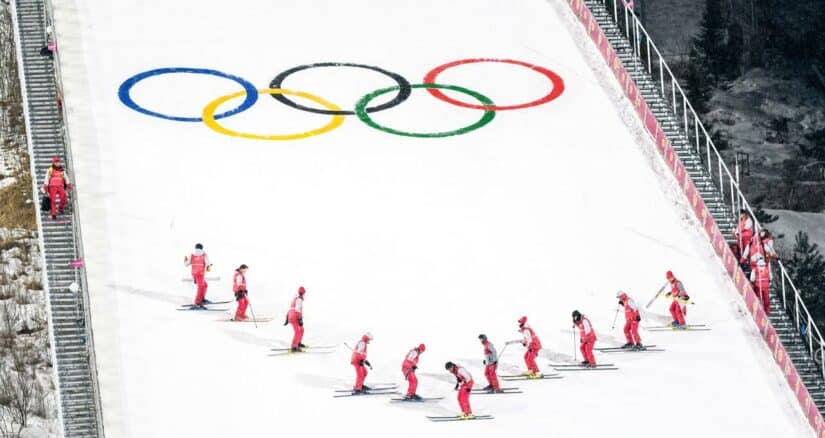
{"points": [[543, 211]]}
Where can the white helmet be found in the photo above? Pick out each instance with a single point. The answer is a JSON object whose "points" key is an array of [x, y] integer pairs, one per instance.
{"points": [[619, 294], [368, 335]]}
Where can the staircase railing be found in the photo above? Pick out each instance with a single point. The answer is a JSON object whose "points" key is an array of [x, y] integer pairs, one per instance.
{"points": [[725, 181]]}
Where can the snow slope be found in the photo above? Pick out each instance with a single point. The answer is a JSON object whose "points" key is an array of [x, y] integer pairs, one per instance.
{"points": [[543, 211]]}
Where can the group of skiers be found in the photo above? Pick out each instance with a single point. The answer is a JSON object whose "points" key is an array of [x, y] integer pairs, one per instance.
{"points": [[755, 252], [200, 264]]}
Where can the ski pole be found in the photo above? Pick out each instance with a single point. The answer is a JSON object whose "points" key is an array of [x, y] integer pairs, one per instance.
{"points": [[502, 352], [615, 317], [574, 344], [657, 295], [254, 321]]}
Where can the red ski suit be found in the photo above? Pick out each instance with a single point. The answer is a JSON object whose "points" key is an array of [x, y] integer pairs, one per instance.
{"points": [[55, 184], [295, 317], [199, 261], [761, 280], [632, 316], [408, 368], [359, 355], [744, 230], [239, 287], [531, 341], [491, 363], [465, 381], [588, 339], [678, 308]]}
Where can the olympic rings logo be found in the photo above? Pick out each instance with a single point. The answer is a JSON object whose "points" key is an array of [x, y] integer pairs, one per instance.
{"points": [[402, 89]]}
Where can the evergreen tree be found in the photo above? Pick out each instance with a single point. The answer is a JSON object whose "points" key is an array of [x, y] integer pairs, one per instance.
{"points": [[807, 270], [719, 59]]}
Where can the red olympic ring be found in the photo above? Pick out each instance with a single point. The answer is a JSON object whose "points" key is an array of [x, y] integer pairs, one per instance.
{"points": [[558, 84]]}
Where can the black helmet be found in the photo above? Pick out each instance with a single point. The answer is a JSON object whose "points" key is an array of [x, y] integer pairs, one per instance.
{"points": [[577, 316], [483, 337], [449, 366], [198, 246]]}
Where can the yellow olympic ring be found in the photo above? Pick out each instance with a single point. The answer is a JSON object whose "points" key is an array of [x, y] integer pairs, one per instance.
{"points": [[209, 116]]}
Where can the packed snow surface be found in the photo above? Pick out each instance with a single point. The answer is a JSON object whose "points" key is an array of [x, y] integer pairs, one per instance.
{"points": [[436, 240]]}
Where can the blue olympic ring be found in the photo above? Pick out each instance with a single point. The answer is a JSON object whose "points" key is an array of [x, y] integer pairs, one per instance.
{"points": [[126, 87]]}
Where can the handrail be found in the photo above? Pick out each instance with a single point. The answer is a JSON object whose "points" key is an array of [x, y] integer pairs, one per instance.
{"points": [[649, 57], [76, 229]]}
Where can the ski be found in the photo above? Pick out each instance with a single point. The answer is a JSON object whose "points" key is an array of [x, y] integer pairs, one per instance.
{"points": [[199, 309], [675, 329], [370, 392], [384, 387], [308, 347], [630, 350], [500, 393], [619, 348], [598, 368], [411, 400], [245, 320], [577, 365], [459, 418], [304, 351], [544, 377], [215, 278], [506, 388], [209, 303]]}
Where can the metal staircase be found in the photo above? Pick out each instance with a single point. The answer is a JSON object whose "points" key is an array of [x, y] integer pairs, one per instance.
{"points": [[789, 324], [78, 392]]}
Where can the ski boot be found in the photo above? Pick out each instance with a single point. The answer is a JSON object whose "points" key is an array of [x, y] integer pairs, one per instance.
{"points": [[639, 347], [680, 327], [295, 350], [487, 388], [302, 346], [590, 365], [467, 416], [205, 301], [627, 345], [674, 323], [584, 363], [359, 391], [535, 376], [415, 397], [365, 387]]}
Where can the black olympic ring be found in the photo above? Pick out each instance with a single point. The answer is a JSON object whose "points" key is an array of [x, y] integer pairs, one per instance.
{"points": [[404, 88]]}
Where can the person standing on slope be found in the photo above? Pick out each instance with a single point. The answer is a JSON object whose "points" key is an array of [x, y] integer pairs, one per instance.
{"points": [[200, 264], [408, 367], [239, 288], [632, 316], [533, 345], [295, 316], [55, 184], [588, 338], [359, 360], [744, 229], [464, 386], [490, 364], [678, 308]]}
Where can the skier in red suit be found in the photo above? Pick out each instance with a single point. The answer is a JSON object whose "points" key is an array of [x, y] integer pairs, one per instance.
{"points": [[588, 338], [632, 316], [678, 308], [359, 360], [533, 345], [761, 280], [408, 367], [464, 385], [200, 264], [490, 364], [55, 184], [295, 317], [239, 288]]}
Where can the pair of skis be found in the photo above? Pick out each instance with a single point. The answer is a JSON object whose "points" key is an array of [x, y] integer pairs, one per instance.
{"points": [[688, 328], [645, 348], [515, 377], [379, 389], [581, 367], [204, 307], [283, 351]]}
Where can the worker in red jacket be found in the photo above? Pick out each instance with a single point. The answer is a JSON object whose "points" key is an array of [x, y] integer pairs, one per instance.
{"points": [[588, 338], [464, 386], [490, 364], [533, 345], [632, 316], [360, 362], [239, 288], [761, 281], [408, 367], [295, 317], [744, 229], [678, 308], [200, 264], [55, 184]]}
